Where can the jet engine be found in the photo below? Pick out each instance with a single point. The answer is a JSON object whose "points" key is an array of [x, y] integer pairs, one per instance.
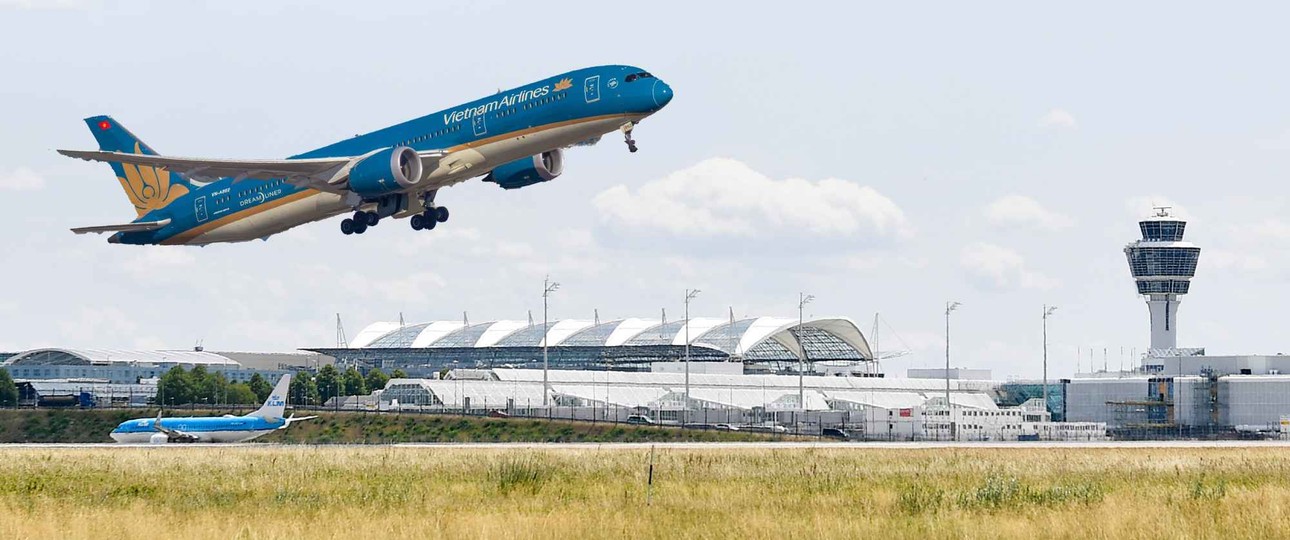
{"points": [[391, 170], [528, 171]]}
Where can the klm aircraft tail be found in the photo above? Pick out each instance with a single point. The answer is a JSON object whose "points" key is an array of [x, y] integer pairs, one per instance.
{"points": [[148, 188], [276, 405]]}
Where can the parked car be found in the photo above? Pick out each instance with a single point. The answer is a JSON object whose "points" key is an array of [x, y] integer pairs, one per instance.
{"points": [[835, 433], [640, 420], [498, 413], [725, 427]]}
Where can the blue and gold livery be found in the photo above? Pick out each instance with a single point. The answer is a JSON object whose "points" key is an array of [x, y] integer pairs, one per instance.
{"points": [[514, 138]]}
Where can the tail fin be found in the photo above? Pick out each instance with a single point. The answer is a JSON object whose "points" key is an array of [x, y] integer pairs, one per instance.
{"points": [[148, 188], [276, 405]]}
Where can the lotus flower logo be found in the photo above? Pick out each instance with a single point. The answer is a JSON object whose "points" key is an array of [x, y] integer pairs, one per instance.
{"points": [[149, 188], [564, 84]]}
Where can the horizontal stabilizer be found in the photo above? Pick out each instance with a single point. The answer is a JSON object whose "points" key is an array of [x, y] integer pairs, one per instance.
{"points": [[138, 226]]}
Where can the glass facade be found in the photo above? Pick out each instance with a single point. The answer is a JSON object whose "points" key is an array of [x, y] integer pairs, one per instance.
{"points": [[465, 337], [1163, 261], [526, 337], [1162, 231], [402, 337], [662, 334], [594, 336], [726, 337]]}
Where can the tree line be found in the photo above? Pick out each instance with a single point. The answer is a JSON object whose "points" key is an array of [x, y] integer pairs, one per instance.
{"points": [[310, 389]]}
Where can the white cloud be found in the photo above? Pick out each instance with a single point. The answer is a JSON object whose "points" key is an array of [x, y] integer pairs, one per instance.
{"points": [[46, 4], [996, 268], [1019, 210], [725, 197], [1058, 119], [21, 179], [412, 289], [158, 262], [104, 327], [1220, 259]]}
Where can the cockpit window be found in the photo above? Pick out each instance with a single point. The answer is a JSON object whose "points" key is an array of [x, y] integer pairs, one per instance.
{"points": [[641, 75], [631, 77]]}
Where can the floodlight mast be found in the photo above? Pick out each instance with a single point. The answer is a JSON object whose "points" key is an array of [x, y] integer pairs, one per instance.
{"points": [[689, 295], [802, 300], [949, 413], [548, 287], [1048, 311]]}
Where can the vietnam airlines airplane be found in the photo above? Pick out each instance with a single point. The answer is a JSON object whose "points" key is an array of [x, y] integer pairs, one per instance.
{"points": [[212, 429], [514, 139]]}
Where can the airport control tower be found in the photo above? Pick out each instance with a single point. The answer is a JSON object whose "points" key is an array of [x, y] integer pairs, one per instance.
{"points": [[1162, 265]]}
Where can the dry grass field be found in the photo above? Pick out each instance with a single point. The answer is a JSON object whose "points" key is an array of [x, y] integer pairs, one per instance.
{"points": [[391, 492]]}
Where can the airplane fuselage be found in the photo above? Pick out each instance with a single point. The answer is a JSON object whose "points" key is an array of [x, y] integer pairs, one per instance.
{"points": [[550, 114], [213, 429]]}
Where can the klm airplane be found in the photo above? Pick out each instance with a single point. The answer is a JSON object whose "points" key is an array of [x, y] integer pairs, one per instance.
{"points": [[514, 139], [212, 429]]}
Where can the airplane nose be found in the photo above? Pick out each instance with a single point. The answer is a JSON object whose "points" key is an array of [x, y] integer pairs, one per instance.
{"points": [[662, 93]]}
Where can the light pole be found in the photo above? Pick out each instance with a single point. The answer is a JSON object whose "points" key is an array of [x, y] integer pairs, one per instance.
{"points": [[949, 413], [802, 300], [548, 287], [689, 295], [1048, 310]]}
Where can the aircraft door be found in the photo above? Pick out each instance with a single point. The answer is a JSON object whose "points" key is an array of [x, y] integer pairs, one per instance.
{"points": [[481, 128], [199, 208], [591, 89]]}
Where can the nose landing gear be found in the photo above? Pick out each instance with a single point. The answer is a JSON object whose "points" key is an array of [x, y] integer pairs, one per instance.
{"points": [[627, 136]]}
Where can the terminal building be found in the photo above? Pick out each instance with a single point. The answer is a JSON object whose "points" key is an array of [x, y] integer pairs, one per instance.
{"points": [[129, 366], [759, 345]]}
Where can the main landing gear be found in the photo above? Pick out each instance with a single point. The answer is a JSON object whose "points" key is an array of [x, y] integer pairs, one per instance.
{"points": [[359, 223], [432, 216], [627, 136]]}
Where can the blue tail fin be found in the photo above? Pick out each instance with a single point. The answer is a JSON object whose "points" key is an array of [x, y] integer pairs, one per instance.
{"points": [[148, 188]]}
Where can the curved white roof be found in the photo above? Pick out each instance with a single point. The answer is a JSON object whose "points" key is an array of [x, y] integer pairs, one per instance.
{"points": [[499, 330], [121, 356], [435, 331], [372, 333], [736, 339]]}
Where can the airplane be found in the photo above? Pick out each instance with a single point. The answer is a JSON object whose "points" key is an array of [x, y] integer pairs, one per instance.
{"points": [[212, 429], [514, 139]]}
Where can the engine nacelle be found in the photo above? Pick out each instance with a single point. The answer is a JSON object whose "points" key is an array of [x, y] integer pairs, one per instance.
{"points": [[528, 171], [388, 171]]}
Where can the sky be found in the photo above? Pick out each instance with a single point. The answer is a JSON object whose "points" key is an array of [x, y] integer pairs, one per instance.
{"points": [[885, 158]]}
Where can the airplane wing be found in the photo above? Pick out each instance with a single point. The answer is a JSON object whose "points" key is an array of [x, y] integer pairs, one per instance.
{"points": [[124, 227], [323, 174], [174, 434]]}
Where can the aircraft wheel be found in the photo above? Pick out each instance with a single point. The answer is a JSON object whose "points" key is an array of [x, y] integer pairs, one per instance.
{"points": [[360, 228], [429, 222], [347, 226], [418, 222], [441, 214], [372, 219]]}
